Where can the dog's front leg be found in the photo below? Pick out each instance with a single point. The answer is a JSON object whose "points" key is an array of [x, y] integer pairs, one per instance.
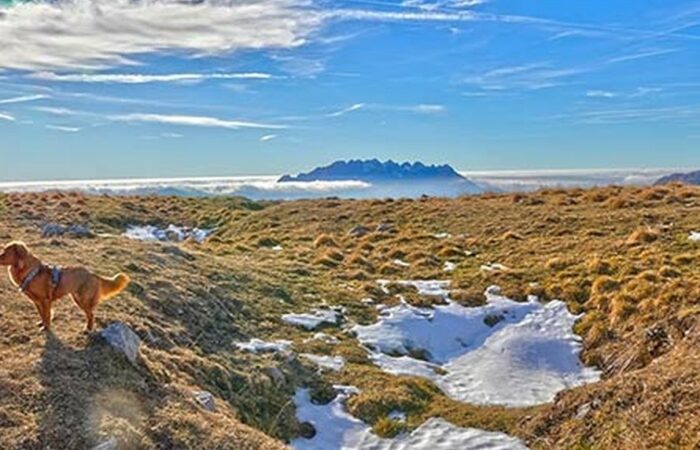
{"points": [[44, 310]]}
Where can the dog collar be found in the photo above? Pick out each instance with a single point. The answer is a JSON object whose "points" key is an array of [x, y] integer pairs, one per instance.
{"points": [[30, 276]]}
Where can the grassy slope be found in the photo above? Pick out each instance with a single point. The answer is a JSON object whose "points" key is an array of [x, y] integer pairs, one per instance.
{"points": [[620, 255]]}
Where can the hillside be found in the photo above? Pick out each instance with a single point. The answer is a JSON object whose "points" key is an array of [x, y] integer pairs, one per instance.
{"points": [[622, 257]]}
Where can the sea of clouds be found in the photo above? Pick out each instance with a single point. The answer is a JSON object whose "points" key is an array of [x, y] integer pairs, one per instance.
{"points": [[267, 187]]}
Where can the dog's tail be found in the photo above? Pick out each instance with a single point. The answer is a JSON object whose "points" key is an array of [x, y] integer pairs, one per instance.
{"points": [[109, 287]]}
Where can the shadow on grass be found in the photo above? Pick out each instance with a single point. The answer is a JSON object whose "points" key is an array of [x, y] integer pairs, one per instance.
{"points": [[89, 395]]}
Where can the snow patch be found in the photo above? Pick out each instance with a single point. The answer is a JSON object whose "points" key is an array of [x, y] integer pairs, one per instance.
{"points": [[505, 352], [401, 263], [314, 319], [334, 363], [336, 429], [172, 233], [260, 346], [694, 236]]}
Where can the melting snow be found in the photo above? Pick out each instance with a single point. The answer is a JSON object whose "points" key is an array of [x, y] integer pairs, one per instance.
{"points": [[336, 429], [334, 363], [313, 320], [401, 263], [172, 233], [442, 235], [449, 266], [505, 352], [260, 346], [694, 236], [323, 337]]}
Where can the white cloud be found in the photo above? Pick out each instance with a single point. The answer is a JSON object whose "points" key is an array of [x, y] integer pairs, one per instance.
{"points": [[194, 121], [601, 94], [533, 76], [349, 109], [22, 99], [423, 108], [63, 128], [8, 117], [268, 137], [641, 55], [58, 111], [83, 34], [146, 78]]}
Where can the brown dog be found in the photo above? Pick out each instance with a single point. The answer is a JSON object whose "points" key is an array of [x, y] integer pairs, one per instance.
{"points": [[44, 285]]}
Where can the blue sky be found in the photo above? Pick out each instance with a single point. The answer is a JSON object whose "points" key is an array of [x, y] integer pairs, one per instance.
{"points": [[117, 88]]}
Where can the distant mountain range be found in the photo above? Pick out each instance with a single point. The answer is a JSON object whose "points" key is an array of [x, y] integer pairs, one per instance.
{"points": [[373, 170], [393, 179], [687, 178]]}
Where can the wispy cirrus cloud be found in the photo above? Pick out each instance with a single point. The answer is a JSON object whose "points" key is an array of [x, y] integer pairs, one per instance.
{"points": [[601, 94], [7, 117], [639, 92], [423, 108], [63, 128], [22, 99], [533, 76], [349, 109], [641, 55], [147, 78], [193, 121], [268, 137]]}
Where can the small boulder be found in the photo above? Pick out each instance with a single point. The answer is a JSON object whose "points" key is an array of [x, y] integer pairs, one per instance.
{"points": [[110, 444], [276, 375], [358, 231], [492, 320], [385, 227], [123, 339], [76, 231], [307, 430], [206, 399]]}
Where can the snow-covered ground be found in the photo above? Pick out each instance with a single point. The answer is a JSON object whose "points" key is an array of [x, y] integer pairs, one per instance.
{"points": [[694, 236], [172, 233], [505, 352], [314, 319], [259, 346], [336, 429]]}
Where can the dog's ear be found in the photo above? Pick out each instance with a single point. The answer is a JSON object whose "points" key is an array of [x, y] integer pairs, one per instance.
{"points": [[21, 252]]}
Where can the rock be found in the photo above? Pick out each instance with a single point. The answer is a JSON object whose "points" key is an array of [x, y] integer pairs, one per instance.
{"points": [[385, 227], [583, 410], [358, 231], [123, 339], [493, 290], [306, 430], [110, 444], [76, 231], [206, 399], [493, 319], [276, 375]]}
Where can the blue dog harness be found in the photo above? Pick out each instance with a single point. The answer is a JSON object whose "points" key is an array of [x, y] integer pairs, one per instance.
{"points": [[55, 277]]}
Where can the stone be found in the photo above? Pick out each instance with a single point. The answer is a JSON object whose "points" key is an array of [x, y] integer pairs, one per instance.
{"points": [[54, 229], [123, 339], [206, 399], [276, 375], [307, 430], [358, 231], [110, 444]]}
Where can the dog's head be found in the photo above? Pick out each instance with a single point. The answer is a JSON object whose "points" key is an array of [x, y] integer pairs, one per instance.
{"points": [[14, 254]]}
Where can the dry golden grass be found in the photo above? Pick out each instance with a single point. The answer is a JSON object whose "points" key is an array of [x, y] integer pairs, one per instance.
{"points": [[620, 256]]}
